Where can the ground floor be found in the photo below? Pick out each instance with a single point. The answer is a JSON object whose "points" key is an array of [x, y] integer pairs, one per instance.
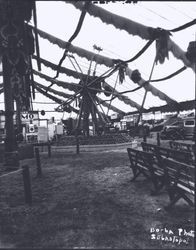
{"points": [[89, 201]]}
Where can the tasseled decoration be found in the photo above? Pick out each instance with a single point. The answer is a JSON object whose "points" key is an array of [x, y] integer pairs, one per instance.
{"points": [[162, 37], [191, 52], [122, 71]]}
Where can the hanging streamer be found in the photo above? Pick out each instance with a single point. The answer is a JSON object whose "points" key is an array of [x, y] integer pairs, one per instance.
{"points": [[132, 28], [78, 28], [67, 85], [110, 62], [55, 99]]}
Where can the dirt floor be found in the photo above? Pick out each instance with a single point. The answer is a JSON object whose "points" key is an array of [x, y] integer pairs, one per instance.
{"points": [[89, 201]]}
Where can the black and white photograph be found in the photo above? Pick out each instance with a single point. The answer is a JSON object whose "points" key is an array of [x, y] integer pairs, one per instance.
{"points": [[97, 124]]}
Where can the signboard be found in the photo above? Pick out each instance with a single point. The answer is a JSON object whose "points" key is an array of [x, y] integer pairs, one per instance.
{"points": [[42, 135], [59, 129], [29, 116]]}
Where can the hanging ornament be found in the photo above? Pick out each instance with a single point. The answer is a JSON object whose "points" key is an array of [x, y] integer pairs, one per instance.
{"points": [[42, 112], [107, 88], [191, 52], [67, 109], [136, 76], [161, 36], [122, 69]]}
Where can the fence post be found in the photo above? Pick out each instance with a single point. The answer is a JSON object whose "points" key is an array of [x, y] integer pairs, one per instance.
{"points": [[39, 169], [49, 150], [77, 145], [158, 140], [27, 184]]}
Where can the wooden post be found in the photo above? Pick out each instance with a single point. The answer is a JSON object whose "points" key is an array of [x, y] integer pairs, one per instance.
{"points": [[77, 145], [11, 152], [49, 150], [144, 138], [158, 140], [39, 169], [27, 185]]}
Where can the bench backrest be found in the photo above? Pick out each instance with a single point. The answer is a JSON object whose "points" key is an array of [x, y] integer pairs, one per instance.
{"points": [[181, 146], [182, 156], [139, 157], [181, 173]]}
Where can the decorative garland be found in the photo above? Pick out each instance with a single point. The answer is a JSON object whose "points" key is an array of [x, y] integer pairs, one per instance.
{"points": [[64, 70], [55, 99], [67, 85], [103, 60], [74, 49], [125, 99], [111, 106], [65, 95], [132, 28], [151, 88]]}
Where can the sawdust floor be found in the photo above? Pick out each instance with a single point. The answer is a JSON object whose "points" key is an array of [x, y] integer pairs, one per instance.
{"points": [[87, 201]]}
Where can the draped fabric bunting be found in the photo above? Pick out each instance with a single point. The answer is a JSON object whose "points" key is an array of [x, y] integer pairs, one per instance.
{"points": [[65, 95], [64, 70], [55, 99], [100, 60], [152, 89], [1, 90], [67, 85], [1, 85], [105, 104], [123, 98], [74, 49], [131, 27], [119, 22]]}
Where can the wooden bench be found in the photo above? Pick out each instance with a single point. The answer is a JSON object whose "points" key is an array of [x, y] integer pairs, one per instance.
{"points": [[147, 164], [191, 148], [181, 156], [181, 146], [179, 180]]}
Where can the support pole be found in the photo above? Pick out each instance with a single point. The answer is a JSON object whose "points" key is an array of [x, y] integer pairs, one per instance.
{"points": [[144, 99], [49, 150], [158, 140], [27, 185], [37, 155], [11, 152], [77, 145]]}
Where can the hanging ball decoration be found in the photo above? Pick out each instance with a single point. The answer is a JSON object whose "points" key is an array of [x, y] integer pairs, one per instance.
{"points": [[67, 109], [191, 52], [106, 88], [136, 76], [43, 112]]}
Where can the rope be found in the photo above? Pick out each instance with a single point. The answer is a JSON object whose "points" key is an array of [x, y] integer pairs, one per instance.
{"points": [[113, 92], [146, 91], [13, 172], [170, 76], [127, 91], [78, 28], [36, 36], [184, 26]]}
